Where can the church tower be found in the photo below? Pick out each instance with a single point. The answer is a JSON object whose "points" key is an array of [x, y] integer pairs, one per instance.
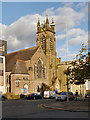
{"points": [[46, 36], [46, 39]]}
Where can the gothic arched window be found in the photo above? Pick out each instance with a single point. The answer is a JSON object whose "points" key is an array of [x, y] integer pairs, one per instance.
{"points": [[39, 67], [35, 70], [44, 72]]}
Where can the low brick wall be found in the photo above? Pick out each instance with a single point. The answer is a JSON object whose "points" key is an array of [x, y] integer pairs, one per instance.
{"points": [[11, 96]]}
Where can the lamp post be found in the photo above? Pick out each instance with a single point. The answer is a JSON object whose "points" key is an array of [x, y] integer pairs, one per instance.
{"points": [[67, 59]]}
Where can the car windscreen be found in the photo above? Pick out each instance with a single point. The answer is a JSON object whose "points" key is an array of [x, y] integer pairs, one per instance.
{"points": [[58, 93], [63, 93], [88, 93], [70, 93]]}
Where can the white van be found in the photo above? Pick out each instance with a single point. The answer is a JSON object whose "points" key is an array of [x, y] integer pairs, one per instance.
{"points": [[49, 94]]}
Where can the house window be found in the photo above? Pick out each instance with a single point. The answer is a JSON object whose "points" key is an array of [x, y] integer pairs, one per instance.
{"points": [[30, 68], [39, 67], [17, 83], [1, 72], [17, 78], [1, 60], [7, 78], [0, 48]]}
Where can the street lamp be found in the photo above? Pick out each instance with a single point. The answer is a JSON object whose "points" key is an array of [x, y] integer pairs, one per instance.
{"points": [[67, 59]]}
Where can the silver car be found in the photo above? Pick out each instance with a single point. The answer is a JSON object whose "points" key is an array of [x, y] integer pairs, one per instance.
{"points": [[63, 96]]}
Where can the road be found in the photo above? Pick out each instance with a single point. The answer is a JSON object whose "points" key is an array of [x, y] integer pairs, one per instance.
{"points": [[31, 109]]}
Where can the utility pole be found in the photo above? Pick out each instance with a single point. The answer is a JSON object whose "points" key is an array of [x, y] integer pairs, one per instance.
{"points": [[67, 59], [67, 64], [67, 88]]}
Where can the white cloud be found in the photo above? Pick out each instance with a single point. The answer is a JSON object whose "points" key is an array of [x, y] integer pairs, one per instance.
{"points": [[75, 36], [68, 4], [81, 4], [67, 16], [2, 28], [49, 12], [65, 53], [79, 39], [22, 33]]}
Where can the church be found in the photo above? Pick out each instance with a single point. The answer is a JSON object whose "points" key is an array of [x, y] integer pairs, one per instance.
{"points": [[37, 69], [29, 70]]}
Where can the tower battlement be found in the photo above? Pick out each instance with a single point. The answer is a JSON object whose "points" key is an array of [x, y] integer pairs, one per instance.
{"points": [[45, 26]]}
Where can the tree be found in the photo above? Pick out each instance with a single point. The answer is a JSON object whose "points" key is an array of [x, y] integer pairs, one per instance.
{"points": [[78, 69]]}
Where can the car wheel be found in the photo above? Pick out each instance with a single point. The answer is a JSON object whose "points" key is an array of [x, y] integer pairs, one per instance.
{"points": [[65, 99], [56, 99]]}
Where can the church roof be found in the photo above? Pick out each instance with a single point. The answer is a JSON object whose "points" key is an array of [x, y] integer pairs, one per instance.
{"points": [[19, 68], [24, 54]]}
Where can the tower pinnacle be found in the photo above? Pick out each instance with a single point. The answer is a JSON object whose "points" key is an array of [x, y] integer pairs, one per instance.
{"points": [[38, 22], [52, 21], [47, 21]]}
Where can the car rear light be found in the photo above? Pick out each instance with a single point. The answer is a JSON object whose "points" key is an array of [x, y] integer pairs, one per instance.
{"points": [[49, 93], [30, 95]]}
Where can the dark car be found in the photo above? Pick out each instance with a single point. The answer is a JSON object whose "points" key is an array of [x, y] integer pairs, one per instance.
{"points": [[35, 96], [87, 95], [22, 96], [3, 97]]}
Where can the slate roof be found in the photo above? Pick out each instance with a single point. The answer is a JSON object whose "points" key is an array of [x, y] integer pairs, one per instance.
{"points": [[19, 68], [24, 54]]}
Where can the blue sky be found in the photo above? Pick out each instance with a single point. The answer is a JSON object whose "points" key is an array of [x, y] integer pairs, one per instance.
{"points": [[19, 17], [17, 10]]}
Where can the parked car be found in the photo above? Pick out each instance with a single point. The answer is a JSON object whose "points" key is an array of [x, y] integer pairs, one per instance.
{"points": [[22, 96], [63, 96], [3, 97], [49, 94], [34, 96], [87, 95]]}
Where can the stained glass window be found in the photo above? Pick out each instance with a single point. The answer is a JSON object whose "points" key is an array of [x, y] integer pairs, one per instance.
{"points": [[39, 69]]}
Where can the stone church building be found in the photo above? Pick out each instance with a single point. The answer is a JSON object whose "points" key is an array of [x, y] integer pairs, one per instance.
{"points": [[37, 69], [29, 70]]}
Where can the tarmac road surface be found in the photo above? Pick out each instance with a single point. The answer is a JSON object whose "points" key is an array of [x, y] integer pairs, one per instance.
{"points": [[32, 109]]}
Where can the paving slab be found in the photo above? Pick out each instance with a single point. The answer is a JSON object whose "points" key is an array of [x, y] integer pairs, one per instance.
{"points": [[73, 106]]}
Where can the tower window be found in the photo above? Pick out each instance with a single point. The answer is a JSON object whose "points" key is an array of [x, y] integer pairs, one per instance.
{"points": [[43, 43], [51, 44]]}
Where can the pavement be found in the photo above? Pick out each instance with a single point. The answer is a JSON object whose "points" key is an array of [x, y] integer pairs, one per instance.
{"points": [[79, 105]]}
